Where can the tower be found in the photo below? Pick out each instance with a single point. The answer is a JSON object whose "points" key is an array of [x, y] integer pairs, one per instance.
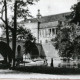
{"points": [[38, 17]]}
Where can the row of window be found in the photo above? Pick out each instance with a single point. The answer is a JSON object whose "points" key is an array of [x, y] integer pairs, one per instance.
{"points": [[47, 32]]}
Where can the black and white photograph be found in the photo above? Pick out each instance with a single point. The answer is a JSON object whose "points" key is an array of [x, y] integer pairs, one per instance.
{"points": [[40, 39]]}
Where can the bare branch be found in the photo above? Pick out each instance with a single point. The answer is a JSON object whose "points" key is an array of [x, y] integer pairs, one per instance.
{"points": [[10, 28], [2, 10], [8, 25], [2, 19], [2, 14]]}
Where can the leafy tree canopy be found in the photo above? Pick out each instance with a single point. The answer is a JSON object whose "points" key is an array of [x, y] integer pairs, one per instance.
{"points": [[75, 14]]}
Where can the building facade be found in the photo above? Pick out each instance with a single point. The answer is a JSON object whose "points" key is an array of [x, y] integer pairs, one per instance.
{"points": [[44, 28]]}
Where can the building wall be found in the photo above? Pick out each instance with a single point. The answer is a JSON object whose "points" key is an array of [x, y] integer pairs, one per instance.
{"points": [[47, 30], [33, 26], [47, 34], [21, 43]]}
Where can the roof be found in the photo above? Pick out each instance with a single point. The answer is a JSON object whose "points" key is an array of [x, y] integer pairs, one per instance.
{"points": [[48, 25], [50, 18]]}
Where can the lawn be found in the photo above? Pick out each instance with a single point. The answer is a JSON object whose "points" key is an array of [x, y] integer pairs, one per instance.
{"points": [[48, 70]]}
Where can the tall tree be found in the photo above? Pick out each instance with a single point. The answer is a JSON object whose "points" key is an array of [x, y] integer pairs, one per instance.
{"points": [[7, 34], [15, 28], [20, 10], [63, 41], [4, 8], [6, 21]]}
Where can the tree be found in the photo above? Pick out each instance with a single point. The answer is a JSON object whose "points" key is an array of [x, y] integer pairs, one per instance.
{"points": [[18, 8], [4, 7], [75, 14], [7, 34], [30, 45], [22, 31], [6, 21], [66, 39], [75, 24], [76, 47], [63, 41]]}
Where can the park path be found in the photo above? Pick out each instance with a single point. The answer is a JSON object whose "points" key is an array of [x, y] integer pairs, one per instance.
{"points": [[9, 74]]}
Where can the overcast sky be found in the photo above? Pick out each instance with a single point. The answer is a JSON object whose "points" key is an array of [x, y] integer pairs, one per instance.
{"points": [[50, 7]]}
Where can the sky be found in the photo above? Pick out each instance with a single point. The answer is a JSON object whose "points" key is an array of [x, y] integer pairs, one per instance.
{"points": [[50, 7]]}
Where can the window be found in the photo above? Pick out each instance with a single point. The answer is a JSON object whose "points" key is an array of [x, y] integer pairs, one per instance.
{"points": [[49, 31], [53, 31]]}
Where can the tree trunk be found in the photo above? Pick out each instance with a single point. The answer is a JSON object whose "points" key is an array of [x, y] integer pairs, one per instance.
{"points": [[7, 33], [14, 34]]}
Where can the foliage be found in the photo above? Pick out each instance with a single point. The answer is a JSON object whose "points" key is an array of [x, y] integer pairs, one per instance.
{"points": [[5, 50], [30, 46], [63, 41], [76, 46], [67, 40], [75, 14]]}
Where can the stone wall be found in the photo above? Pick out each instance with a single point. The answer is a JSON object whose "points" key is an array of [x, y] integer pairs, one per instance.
{"points": [[21, 43]]}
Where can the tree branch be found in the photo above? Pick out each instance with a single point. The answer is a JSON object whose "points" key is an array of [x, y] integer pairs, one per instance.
{"points": [[8, 25], [4, 20]]}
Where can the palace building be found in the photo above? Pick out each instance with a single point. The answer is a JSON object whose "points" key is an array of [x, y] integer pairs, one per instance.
{"points": [[44, 28]]}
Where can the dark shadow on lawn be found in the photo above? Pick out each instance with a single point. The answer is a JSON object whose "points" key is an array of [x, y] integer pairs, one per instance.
{"points": [[48, 70], [4, 66]]}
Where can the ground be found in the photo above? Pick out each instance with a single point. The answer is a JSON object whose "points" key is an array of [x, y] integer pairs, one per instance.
{"points": [[25, 75]]}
